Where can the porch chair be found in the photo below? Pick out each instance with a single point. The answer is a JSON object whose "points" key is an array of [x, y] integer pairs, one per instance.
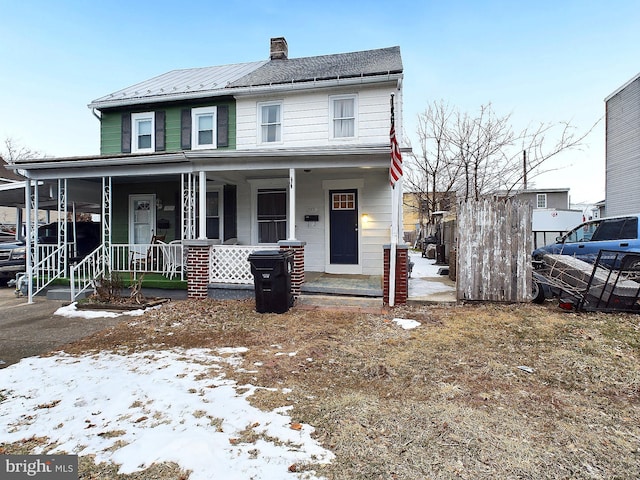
{"points": [[172, 261], [139, 262]]}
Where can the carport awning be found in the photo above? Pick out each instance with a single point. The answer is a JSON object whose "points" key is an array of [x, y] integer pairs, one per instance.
{"points": [[87, 200]]}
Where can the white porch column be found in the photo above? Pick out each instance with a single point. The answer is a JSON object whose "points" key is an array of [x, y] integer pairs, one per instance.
{"points": [[106, 224], [63, 238], [28, 237], [202, 205], [292, 205]]}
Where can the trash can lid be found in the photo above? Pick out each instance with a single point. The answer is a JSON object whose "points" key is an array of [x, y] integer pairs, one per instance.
{"points": [[265, 254]]}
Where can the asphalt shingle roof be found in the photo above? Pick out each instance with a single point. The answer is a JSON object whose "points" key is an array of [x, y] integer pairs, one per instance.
{"points": [[354, 64]]}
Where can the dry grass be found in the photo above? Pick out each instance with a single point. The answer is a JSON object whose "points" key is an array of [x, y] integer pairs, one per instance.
{"points": [[445, 400]]}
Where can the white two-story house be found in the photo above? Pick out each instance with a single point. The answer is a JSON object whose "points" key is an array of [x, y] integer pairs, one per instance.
{"points": [[247, 156]]}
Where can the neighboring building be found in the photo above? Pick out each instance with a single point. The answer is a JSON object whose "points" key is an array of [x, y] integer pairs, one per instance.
{"points": [[284, 150], [417, 215], [622, 130], [550, 198], [551, 212]]}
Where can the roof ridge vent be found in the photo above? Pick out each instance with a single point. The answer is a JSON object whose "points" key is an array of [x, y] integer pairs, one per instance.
{"points": [[279, 49]]}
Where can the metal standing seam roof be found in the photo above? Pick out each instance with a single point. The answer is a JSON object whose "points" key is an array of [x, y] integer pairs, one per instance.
{"points": [[191, 81], [219, 80]]}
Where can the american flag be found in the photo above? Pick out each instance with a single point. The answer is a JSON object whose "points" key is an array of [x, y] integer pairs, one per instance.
{"points": [[395, 171]]}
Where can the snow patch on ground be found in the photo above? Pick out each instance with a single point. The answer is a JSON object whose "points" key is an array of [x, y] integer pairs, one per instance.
{"points": [[176, 406]]}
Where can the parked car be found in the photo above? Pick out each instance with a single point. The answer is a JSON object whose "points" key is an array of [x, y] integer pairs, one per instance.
{"points": [[585, 241], [13, 258]]}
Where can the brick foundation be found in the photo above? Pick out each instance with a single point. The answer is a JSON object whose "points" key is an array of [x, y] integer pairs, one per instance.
{"points": [[198, 268], [297, 275], [402, 275]]}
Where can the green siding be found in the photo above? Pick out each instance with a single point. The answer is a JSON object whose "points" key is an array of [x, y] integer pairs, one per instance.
{"points": [[168, 192], [111, 127], [110, 133]]}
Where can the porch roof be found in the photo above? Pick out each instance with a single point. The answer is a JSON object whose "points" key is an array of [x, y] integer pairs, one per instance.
{"points": [[364, 156]]}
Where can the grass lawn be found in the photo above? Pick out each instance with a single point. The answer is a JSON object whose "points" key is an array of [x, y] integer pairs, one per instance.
{"points": [[475, 392]]}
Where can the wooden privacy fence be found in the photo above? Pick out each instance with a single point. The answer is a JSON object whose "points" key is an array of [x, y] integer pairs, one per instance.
{"points": [[494, 251]]}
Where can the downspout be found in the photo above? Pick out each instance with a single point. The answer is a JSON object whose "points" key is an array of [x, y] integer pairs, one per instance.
{"points": [[93, 111], [292, 204]]}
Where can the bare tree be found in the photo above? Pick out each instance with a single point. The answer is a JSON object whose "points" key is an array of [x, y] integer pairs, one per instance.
{"points": [[433, 173], [478, 155], [13, 152]]}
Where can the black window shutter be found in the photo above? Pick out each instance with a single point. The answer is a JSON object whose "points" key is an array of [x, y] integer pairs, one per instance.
{"points": [[125, 137], [185, 129], [230, 212], [160, 129], [223, 126]]}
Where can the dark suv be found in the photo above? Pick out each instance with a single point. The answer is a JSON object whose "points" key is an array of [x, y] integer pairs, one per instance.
{"points": [[13, 258]]}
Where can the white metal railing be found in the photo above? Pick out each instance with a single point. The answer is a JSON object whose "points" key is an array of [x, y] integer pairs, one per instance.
{"points": [[164, 258], [49, 266], [84, 273], [230, 263]]}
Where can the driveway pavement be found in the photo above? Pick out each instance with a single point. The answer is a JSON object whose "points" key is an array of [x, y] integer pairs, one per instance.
{"points": [[32, 329]]}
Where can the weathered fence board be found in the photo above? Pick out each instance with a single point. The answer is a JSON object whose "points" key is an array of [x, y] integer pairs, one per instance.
{"points": [[494, 251]]}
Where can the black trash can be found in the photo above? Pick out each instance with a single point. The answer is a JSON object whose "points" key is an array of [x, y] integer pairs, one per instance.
{"points": [[271, 271]]}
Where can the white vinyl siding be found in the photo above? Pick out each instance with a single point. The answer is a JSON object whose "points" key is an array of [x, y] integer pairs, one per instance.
{"points": [[306, 119]]}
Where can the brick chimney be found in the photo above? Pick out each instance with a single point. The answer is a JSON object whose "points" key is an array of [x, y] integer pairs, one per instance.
{"points": [[279, 49]]}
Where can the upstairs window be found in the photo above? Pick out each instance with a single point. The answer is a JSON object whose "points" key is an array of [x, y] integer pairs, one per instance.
{"points": [[541, 200], [203, 128], [143, 132], [343, 116], [270, 120]]}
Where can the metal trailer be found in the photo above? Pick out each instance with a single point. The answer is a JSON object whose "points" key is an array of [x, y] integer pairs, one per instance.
{"points": [[611, 284]]}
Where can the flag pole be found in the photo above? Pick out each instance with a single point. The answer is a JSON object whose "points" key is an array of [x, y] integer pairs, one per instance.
{"points": [[394, 177]]}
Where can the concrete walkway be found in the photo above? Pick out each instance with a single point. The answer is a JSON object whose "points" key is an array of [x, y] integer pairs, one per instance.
{"points": [[29, 329]]}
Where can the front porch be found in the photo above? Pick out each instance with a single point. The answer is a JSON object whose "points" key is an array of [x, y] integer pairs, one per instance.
{"points": [[227, 269]]}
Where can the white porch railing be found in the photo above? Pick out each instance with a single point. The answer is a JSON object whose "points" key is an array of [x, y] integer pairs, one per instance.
{"points": [[49, 266], [230, 263], [83, 274], [163, 258]]}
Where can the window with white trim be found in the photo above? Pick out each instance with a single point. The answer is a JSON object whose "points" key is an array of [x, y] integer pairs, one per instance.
{"points": [[203, 128], [343, 116], [272, 214], [541, 200], [270, 122], [143, 138]]}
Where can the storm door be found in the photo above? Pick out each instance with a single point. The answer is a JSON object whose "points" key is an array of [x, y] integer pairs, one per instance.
{"points": [[343, 227], [142, 219]]}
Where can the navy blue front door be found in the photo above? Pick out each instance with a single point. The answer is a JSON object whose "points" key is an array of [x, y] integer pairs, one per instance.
{"points": [[343, 227]]}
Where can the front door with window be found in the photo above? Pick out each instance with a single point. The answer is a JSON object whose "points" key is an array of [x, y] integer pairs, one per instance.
{"points": [[343, 227], [142, 219]]}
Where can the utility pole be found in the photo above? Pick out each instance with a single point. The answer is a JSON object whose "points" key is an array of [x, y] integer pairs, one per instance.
{"points": [[524, 169]]}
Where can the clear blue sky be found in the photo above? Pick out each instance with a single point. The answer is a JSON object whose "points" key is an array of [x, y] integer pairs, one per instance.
{"points": [[542, 61]]}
